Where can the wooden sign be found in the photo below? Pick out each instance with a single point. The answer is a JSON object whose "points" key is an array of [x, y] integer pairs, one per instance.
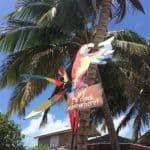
{"points": [[85, 98]]}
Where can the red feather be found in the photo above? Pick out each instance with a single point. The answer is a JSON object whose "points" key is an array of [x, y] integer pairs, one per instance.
{"points": [[74, 120], [58, 83]]}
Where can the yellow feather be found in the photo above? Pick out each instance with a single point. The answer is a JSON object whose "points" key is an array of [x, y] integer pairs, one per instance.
{"points": [[40, 109]]}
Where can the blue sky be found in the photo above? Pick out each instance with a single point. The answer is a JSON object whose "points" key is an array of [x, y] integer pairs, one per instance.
{"points": [[135, 21]]}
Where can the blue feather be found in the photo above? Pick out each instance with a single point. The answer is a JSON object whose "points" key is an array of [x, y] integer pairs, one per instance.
{"points": [[30, 76]]}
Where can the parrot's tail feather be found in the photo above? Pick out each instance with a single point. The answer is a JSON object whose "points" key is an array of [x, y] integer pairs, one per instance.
{"points": [[30, 76]]}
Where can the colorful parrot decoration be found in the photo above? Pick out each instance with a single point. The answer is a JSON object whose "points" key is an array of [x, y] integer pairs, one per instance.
{"points": [[84, 59], [57, 95], [81, 64], [60, 90]]}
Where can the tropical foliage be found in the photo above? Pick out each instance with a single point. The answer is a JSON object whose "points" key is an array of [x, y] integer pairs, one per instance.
{"points": [[41, 34], [39, 147], [10, 135], [126, 82]]}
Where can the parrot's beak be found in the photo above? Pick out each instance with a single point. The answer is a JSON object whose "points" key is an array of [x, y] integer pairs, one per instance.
{"points": [[106, 43]]}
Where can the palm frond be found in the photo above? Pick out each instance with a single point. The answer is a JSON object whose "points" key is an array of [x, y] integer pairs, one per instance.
{"points": [[44, 118], [14, 66], [15, 100], [10, 69], [132, 48], [119, 8], [30, 10], [126, 119], [15, 40], [23, 94], [77, 19], [18, 23], [128, 35], [137, 125], [142, 116], [33, 88], [25, 37], [114, 84], [42, 12], [31, 61], [137, 5], [47, 18], [103, 128]]}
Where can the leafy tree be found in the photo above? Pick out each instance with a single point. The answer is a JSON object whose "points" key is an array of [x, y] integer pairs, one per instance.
{"points": [[39, 147], [10, 135]]}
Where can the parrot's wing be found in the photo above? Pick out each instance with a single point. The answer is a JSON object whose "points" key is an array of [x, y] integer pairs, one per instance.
{"points": [[105, 52], [85, 62], [51, 80], [46, 104], [105, 48], [80, 70], [99, 57], [99, 62]]}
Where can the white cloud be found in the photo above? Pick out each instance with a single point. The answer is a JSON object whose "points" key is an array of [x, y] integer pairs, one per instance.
{"points": [[33, 129]]}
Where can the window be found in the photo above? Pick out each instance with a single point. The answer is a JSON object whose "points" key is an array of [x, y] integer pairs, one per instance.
{"points": [[54, 141]]}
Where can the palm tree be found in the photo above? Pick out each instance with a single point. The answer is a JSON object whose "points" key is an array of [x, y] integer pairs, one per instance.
{"points": [[130, 74], [100, 35], [38, 14], [26, 39], [138, 76], [116, 75], [126, 42]]}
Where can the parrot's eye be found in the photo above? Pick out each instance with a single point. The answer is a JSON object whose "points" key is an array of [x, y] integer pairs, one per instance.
{"points": [[91, 50]]}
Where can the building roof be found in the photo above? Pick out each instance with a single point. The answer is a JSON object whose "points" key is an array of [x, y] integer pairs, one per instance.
{"points": [[56, 131], [105, 139], [92, 132], [91, 140], [145, 139]]}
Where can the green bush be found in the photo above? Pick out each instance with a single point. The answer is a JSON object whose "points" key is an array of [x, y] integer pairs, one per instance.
{"points": [[10, 135], [39, 147]]}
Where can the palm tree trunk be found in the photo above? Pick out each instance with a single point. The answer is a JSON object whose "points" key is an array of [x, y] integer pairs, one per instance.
{"points": [[100, 35], [83, 130], [109, 122], [84, 122], [101, 29]]}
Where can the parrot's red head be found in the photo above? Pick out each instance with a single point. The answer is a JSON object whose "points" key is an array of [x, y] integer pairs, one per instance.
{"points": [[85, 49]]}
